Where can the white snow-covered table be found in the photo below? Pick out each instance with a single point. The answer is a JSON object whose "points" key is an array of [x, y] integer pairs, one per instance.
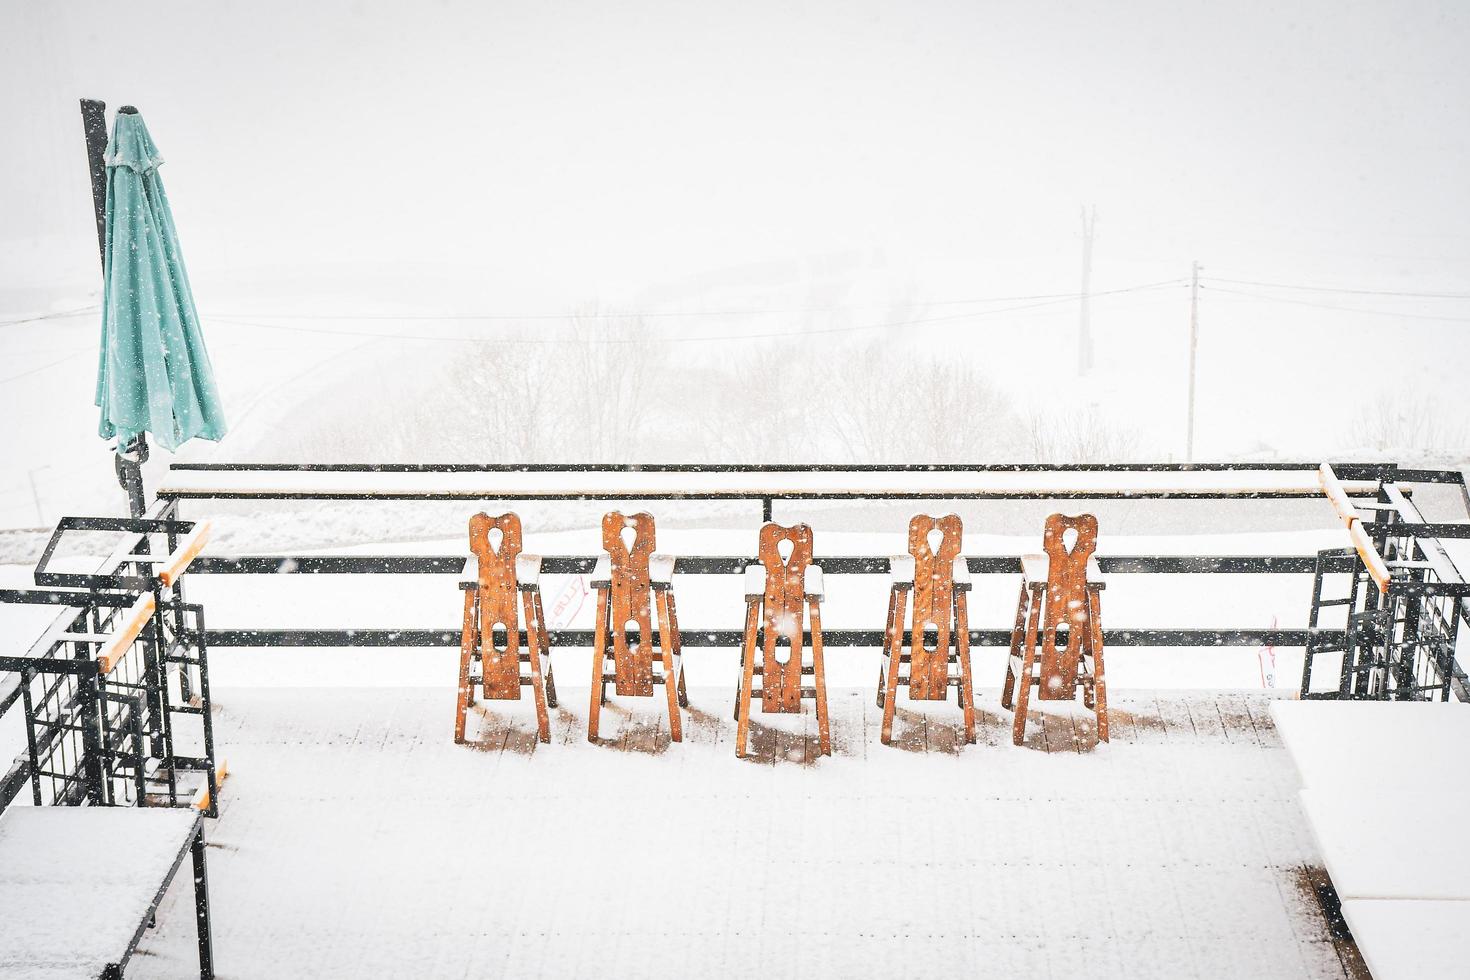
{"points": [[79, 885], [1387, 743], [1423, 940], [599, 484], [1393, 844], [1387, 794]]}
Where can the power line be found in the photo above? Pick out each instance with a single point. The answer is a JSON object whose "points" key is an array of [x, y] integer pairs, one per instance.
{"points": [[1339, 289], [1053, 300], [43, 367], [51, 316], [464, 317], [1062, 298], [1342, 309]]}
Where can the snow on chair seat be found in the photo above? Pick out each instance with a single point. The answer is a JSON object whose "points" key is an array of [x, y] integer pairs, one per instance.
{"points": [[1056, 642], [931, 582], [506, 588], [634, 589], [780, 592]]}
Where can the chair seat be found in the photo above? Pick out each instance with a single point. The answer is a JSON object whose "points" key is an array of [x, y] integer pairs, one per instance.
{"points": [[812, 582], [661, 570], [961, 574], [901, 569], [755, 580], [1036, 569], [528, 571], [901, 572], [602, 572]]}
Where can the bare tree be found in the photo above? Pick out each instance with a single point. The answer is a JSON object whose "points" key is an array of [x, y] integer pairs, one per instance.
{"points": [[1406, 423], [755, 406], [607, 378], [1078, 436], [882, 403]]}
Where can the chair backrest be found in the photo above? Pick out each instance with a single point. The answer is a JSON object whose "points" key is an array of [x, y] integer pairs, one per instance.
{"points": [[784, 612], [1065, 610], [496, 542], [933, 602], [496, 552], [629, 541]]}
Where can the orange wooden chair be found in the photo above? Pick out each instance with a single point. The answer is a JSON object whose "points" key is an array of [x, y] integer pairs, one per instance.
{"points": [[933, 583], [1061, 607], [507, 584], [780, 592], [633, 584]]}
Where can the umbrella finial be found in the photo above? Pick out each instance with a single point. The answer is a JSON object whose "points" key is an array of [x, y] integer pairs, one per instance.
{"points": [[128, 110]]}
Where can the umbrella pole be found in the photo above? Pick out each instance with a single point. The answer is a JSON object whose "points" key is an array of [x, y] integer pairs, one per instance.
{"points": [[94, 130], [129, 466], [128, 463]]}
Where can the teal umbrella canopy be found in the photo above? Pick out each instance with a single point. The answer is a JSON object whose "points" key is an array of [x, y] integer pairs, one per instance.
{"points": [[154, 373]]}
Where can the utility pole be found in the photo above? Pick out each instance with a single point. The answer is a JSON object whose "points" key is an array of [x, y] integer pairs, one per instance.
{"points": [[36, 496], [1193, 353], [1084, 326]]}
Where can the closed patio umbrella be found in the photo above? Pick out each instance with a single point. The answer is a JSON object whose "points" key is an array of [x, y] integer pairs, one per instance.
{"points": [[154, 373]]}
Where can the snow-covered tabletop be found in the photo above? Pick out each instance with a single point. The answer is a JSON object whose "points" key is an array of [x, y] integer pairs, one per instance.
{"points": [[1362, 842], [76, 883], [1407, 745], [1374, 772], [1422, 940], [604, 484]]}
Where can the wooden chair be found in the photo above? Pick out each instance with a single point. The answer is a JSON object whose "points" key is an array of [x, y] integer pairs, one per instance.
{"points": [[632, 584], [1061, 606], [507, 584], [937, 580], [775, 591]]}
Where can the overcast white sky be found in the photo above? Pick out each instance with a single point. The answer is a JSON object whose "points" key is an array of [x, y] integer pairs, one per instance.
{"points": [[533, 157]]}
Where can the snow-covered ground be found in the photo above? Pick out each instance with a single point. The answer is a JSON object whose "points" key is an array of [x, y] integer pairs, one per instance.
{"points": [[357, 840]]}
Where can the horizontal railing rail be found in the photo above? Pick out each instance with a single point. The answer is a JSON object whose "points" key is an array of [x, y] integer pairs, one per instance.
{"points": [[691, 637], [735, 565], [726, 565], [613, 482]]}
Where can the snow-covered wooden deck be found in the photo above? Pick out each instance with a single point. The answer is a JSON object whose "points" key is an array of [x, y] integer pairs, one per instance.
{"points": [[357, 840]]}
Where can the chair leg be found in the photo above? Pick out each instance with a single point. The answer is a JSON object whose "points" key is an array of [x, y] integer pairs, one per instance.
{"points": [[1028, 664], [1099, 677], [546, 646], [538, 688], [890, 686], [891, 641], [666, 648], [962, 647], [1009, 690], [747, 678], [599, 664], [824, 728], [466, 652], [678, 646]]}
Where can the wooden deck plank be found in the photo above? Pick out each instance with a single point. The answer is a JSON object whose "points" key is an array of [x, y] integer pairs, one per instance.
{"points": [[1059, 734], [1204, 714], [1148, 725], [1236, 717], [1174, 716]]}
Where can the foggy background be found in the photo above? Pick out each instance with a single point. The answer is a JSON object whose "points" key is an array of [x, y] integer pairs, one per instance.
{"points": [[656, 231]]}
